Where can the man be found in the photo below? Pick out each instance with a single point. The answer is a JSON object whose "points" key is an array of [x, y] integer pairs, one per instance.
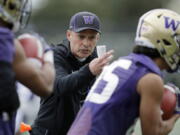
{"points": [[132, 86], [15, 66], [76, 69]]}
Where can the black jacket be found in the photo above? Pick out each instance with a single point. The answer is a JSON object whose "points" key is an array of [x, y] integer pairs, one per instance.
{"points": [[73, 80]]}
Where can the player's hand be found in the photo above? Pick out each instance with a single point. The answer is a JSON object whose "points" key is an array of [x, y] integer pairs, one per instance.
{"points": [[36, 47], [48, 55], [97, 64], [173, 86], [171, 122], [47, 50], [177, 91]]}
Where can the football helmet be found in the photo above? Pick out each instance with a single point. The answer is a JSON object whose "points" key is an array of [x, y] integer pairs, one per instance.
{"points": [[15, 12], [160, 29]]}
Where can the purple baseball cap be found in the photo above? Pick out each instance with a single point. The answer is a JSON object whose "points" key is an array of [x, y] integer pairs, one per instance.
{"points": [[83, 21]]}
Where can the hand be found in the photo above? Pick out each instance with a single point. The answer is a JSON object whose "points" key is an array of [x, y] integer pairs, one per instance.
{"points": [[170, 123], [177, 91], [36, 47], [97, 64], [174, 87], [48, 56], [47, 50]]}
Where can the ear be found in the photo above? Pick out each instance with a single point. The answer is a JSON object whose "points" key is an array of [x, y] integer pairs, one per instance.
{"points": [[98, 36], [68, 34]]}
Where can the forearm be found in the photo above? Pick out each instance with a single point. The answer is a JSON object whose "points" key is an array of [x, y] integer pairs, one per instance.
{"points": [[38, 80], [48, 76], [66, 83], [167, 126], [155, 125], [163, 128], [159, 129]]}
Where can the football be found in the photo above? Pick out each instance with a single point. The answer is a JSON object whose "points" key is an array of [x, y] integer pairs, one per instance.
{"points": [[168, 103], [31, 45]]}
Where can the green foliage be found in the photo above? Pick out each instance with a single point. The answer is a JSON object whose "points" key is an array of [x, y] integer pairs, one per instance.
{"points": [[108, 9], [113, 13]]}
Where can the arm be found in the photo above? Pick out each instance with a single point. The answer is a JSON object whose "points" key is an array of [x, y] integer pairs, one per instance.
{"points": [[150, 87], [38, 80], [66, 82], [69, 82]]}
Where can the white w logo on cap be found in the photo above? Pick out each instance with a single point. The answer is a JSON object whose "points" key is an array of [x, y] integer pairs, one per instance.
{"points": [[88, 19]]}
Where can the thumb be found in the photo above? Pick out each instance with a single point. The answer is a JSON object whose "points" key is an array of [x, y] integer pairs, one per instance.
{"points": [[174, 118], [170, 122], [108, 54], [48, 56]]}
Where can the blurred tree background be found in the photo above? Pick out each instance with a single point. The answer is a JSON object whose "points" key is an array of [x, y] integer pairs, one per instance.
{"points": [[119, 18], [116, 15]]}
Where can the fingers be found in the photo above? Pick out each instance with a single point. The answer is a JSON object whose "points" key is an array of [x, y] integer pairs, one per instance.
{"points": [[107, 54], [110, 58], [98, 64], [48, 57], [170, 122], [175, 117], [106, 58]]}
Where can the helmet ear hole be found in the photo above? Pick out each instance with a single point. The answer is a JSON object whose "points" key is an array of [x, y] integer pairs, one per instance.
{"points": [[12, 6], [158, 41], [166, 42]]}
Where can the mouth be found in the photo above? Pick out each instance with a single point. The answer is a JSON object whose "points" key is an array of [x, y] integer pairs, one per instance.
{"points": [[85, 51]]}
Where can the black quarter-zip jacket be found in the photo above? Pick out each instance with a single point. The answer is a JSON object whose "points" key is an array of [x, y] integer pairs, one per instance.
{"points": [[72, 82]]}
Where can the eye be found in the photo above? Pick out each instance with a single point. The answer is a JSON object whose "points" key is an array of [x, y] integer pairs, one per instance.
{"points": [[81, 36], [92, 37]]}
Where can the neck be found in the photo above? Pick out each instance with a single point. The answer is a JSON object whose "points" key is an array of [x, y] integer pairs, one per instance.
{"points": [[5, 24], [161, 63], [81, 59]]}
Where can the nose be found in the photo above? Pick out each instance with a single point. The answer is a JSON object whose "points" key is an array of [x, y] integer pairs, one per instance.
{"points": [[86, 42]]}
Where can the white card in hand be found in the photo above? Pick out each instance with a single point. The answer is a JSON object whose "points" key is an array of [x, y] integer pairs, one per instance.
{"points": [[101, 49]]}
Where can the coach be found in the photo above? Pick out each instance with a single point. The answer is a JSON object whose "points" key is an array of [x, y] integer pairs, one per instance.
{"points": [[76, 69]]}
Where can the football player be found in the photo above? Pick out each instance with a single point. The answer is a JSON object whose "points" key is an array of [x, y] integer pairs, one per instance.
{"points": [[15, 66], [132, 86]]}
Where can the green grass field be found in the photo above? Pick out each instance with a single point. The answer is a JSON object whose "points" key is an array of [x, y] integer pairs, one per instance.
{"points": [[175, 131]]}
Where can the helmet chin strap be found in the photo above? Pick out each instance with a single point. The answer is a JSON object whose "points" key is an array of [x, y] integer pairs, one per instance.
{"points": [[174, 70]]}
